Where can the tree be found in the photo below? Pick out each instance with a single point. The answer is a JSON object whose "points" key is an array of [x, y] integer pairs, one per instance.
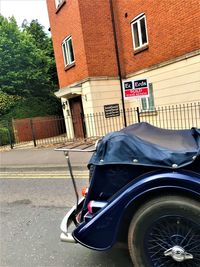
{"points": [[26, 62], [7, 102], [42, 41], [24, 66], [36, 30]]}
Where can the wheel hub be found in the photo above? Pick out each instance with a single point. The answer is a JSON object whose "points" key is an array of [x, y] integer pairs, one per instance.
{"points": [[178, 254]]}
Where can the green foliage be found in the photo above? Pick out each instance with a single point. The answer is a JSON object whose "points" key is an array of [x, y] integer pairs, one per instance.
{"points": [[36, 30], [44, 43], [33, 107], [24, 66], [7, 102], [27, 66], [4, 136]]}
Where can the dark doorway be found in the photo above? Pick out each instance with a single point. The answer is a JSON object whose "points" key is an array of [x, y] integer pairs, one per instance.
{"points": [[77, 116]]}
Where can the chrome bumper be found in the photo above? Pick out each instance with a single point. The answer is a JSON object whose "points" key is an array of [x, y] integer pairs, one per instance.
{"points": [[67, 238], [70, 218]]}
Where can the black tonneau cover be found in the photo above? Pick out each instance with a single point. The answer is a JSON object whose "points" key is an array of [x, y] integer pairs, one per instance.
{"points": [[144, 144]]}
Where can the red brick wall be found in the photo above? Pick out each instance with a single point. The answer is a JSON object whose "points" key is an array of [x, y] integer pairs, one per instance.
{"points": [[89, 23], [98, 37], [173, 30], [67, 22], [172, 25]]}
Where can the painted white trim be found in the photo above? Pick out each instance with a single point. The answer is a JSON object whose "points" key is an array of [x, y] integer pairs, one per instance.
{"points": [[69, 91], [137, 17], [67, 59], [58, 3], [137, 20]]}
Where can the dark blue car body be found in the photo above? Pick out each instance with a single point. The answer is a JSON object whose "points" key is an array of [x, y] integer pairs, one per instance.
{"points": [[130, 168], [102, 230]]}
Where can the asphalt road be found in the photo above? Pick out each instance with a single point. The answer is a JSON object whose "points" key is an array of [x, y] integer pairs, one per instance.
{"points": [[30, 214]]}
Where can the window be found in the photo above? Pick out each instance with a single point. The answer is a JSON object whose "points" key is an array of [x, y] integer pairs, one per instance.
{"points": [[58, 3], [148, 102], [68, 52], [139, 32]]}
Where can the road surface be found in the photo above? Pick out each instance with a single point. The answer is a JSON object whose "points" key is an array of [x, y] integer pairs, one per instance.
{"points": [[30, 214]]}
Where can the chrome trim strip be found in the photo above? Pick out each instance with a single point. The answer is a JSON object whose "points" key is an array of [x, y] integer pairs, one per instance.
{"points": [[65, 221], [75, 150]]}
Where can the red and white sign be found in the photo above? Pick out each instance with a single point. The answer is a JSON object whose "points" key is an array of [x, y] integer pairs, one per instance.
{"points": [[136, 88]]}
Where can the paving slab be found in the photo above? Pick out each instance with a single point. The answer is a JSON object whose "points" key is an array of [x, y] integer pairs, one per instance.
{"points": [[41, 157]]}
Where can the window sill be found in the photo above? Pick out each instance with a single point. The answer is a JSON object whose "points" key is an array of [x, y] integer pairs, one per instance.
{"points": [[70, 66], [60, 6], [144, 113], [140, 49]]}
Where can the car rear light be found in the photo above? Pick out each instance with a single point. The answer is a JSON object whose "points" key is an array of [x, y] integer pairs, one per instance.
{"points": [[93, 206], [84, 191]]}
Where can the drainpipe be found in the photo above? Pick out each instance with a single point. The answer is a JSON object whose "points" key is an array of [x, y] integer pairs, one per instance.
{"points": [[118, 60]]}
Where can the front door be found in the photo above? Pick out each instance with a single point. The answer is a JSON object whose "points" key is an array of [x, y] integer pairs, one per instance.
{"points": [[77, 119]]}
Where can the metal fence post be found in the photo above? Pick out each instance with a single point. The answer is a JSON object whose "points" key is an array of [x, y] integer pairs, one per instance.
{"points": [[138, 114], [83, 124], [33, 132], [9, 136]]}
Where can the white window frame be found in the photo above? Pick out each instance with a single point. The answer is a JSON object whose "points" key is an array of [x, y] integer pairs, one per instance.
{"points": [[66, 51], [147, 103], [58, 3], [137, 20]]}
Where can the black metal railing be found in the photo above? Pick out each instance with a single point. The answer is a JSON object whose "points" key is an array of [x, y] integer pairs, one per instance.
{"points": [[60, 130]]}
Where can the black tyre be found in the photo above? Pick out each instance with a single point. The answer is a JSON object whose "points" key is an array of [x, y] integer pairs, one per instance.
{"points": [[165, 232]]}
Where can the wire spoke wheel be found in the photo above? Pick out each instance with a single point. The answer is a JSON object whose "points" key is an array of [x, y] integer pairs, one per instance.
{"points": [[165, 232], [173, 241]]}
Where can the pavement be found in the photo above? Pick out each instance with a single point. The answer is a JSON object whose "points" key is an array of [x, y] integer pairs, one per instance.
{"points": [[42, 163]]}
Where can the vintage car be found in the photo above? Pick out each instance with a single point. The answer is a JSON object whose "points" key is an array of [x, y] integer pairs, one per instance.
{"points": [[144, 189]]}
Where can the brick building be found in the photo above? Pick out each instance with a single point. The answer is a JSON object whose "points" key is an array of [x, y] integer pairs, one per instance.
{"points": [[99, 43]]}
